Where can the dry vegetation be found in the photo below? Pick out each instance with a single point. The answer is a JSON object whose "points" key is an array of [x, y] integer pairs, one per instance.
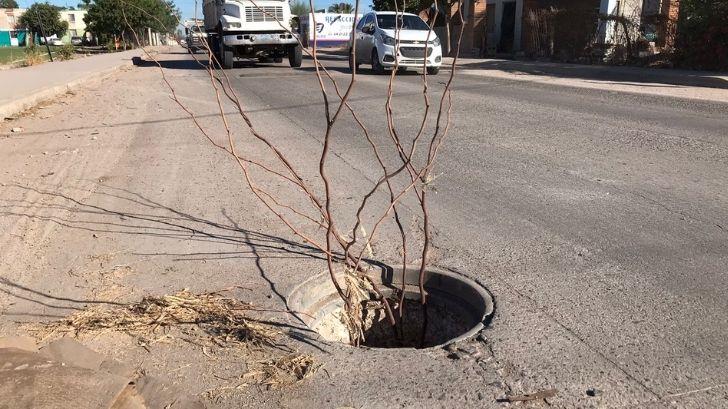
{"points": [[206, 319], [199, 318], [309, 215], [284, 370], [306, 209]]}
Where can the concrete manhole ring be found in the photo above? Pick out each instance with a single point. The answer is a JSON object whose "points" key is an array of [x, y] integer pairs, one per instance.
{"points": [[458, 308]]}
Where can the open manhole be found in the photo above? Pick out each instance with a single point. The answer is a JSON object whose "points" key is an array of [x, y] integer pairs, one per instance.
{"points": [[457, 308]]}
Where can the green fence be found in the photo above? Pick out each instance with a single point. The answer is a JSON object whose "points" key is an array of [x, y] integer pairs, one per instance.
{"points": [[5, 39]]}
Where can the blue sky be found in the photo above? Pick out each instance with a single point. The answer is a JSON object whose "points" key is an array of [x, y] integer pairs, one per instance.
{"points": [[188, 6]]}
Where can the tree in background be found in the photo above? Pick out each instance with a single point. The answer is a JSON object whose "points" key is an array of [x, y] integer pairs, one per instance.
{"points": [[84, 4], [413, 6], [46, 14], [105, 18], [300, 7], [341, 8], [8, 4], [703, 34]]}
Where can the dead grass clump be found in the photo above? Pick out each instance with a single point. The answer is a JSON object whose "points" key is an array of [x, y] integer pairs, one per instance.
{"points": [[33, 56], [221, 319], [284, 370]]}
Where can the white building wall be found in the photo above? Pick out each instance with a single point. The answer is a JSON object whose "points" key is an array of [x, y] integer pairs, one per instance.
{"points": [[76, 25], [627, 8]]}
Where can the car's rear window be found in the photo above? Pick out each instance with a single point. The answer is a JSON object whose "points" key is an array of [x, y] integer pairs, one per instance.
{"points": [[406, 22]]}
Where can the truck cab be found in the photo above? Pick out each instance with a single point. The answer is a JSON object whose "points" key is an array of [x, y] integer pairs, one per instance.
{"points": [[251, 29]]}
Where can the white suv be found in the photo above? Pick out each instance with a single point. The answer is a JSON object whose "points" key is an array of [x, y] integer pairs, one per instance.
{"points": [[376, 44]]}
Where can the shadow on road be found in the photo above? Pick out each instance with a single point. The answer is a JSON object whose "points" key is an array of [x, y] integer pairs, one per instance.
{"points": [[185, 64], [154, 219], [23, 292]]}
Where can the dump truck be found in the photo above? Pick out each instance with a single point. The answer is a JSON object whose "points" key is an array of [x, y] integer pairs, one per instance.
{"points": [[251, 29]]}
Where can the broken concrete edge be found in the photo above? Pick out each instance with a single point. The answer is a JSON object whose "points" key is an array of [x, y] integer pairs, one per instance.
{"points": [[28, 102]]}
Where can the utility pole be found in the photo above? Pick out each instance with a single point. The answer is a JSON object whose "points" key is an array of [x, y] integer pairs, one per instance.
{"points": [[42, 32]]}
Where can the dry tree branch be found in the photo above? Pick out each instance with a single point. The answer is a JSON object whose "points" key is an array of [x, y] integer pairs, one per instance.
{"points": [[241, 162], [418, 175]]}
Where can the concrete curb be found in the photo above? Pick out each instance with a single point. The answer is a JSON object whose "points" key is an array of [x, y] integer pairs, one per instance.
{"points": [[29, 101]]}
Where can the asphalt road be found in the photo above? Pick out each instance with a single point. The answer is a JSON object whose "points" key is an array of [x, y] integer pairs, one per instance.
{"points": [[598, 219]]}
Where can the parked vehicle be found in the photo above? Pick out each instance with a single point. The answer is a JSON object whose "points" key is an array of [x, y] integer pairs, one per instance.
{"points": [[251, 29], [51, 41], [76, 40], [376, 43], [196, 39]]}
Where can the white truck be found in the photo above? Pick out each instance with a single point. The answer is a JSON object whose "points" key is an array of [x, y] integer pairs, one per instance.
{"points": [[195, 39], [251, 29]]}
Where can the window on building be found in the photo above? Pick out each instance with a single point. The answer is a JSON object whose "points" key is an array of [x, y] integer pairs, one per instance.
{"points": [[71, 18]]}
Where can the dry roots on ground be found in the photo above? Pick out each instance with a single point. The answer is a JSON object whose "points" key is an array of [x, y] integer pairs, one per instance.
{"points": [[219, 319]]}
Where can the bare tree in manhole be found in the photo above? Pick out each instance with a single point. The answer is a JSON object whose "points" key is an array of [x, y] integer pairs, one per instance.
{"points": [[405, 157]]}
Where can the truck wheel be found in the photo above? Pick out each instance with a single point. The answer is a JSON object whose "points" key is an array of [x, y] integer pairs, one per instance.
{"points": [[228, 58], [226, 55], [295, 56], [377, 66]]}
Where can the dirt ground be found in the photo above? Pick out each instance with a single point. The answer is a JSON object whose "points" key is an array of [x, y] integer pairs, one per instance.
{"points": [[109, 194]]}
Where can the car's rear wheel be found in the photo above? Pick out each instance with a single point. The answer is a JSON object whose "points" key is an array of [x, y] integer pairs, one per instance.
{"points": [[352, 63], [377, 66]]}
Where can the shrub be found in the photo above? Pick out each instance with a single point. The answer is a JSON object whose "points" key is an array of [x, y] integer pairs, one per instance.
{"points": [[110, 46], [703, 34], [66, 52], [33, 56]]}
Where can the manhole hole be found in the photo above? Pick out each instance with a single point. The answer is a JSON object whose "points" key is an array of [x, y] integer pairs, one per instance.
{"points": [[457, 308]]}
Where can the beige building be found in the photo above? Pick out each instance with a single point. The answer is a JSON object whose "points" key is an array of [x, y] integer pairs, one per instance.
{"points": [[76, 25], [9, 18], [10, 34]]}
